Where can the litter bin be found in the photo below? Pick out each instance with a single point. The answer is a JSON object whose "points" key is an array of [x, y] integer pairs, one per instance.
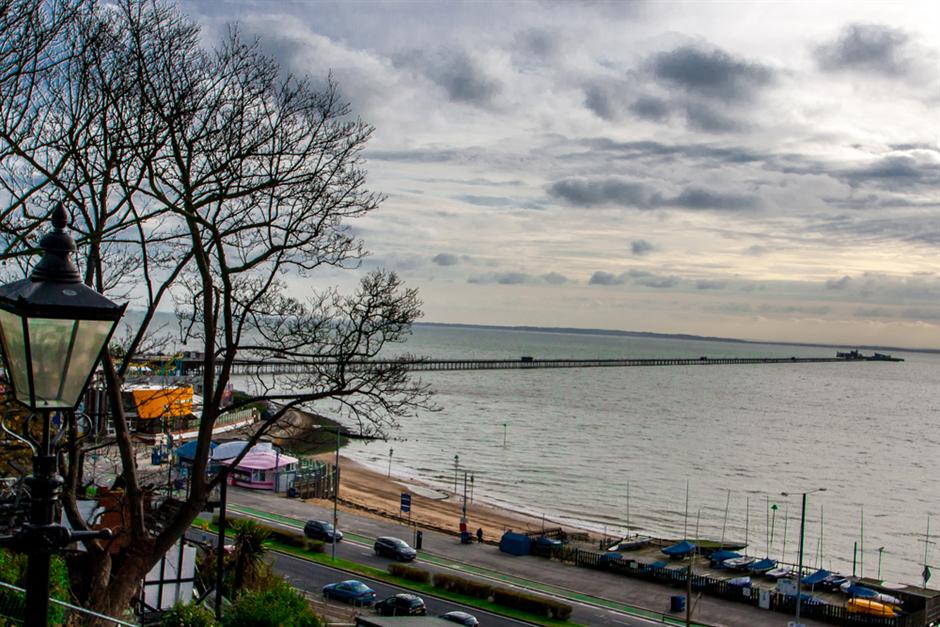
{"points": [[677, 603], [465, 537], [419, 536]]}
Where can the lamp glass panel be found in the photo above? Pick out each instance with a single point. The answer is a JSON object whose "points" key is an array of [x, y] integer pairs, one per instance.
{"points": [[14, 346], [64, 353]]}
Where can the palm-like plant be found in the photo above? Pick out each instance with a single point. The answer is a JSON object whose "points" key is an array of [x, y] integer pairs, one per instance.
{"points": [[249, 552]]}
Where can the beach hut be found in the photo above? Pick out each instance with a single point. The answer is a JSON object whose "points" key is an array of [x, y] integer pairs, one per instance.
{"points": [[259, 470]]}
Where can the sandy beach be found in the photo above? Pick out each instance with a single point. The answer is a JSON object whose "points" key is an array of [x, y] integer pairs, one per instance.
{"points": [[364, 490]]}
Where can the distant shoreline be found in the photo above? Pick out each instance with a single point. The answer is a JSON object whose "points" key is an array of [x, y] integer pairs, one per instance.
{"points": [[668, 336]]}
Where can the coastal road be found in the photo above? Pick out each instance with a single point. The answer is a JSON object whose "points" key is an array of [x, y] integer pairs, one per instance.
{"points": [[311, 577]]}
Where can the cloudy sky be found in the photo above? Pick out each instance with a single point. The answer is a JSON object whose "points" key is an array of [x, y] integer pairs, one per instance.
{"points": [[745, 169]]}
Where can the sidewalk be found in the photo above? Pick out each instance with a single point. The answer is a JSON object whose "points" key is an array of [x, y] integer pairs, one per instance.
{"points": [[565, 581]]}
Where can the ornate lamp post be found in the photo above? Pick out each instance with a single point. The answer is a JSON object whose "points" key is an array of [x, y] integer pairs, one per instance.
{"points": [[799, 571], [53, 329]]}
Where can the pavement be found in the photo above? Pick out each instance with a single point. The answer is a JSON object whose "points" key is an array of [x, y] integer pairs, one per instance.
{"points": [[556, 579]]}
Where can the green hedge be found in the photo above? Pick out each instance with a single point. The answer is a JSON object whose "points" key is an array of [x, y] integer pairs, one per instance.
{"points": [[284, 536], [460, 585], [541, 606], [410, 573]]}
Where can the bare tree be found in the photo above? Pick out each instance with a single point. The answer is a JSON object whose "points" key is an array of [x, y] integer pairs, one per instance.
{"points": [[208, 182]]}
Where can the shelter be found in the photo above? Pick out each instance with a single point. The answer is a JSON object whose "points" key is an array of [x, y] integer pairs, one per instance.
{"points": [[515, 543], [261, 469]]}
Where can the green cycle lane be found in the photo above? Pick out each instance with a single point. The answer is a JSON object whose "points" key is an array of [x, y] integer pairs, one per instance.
{"points": [[438, 560]]}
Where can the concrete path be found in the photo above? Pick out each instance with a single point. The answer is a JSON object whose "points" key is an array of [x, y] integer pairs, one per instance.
{"points": [[538, 574]]}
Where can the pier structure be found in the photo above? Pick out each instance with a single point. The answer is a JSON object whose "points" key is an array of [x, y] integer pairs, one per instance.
{"points": [[193, 365]]}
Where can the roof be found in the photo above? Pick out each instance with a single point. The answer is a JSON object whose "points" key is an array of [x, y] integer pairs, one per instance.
{"points": [[264, 460]]}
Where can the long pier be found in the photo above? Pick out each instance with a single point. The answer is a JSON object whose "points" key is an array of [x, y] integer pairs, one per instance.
{"points": [[190, 366]]}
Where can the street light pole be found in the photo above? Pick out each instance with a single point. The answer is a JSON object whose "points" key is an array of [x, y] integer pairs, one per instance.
{"points": [[390, 451], [53, 328], [799, 571], [456, 467]]}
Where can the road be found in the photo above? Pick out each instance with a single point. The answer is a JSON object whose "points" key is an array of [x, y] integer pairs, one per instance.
{"points": [[311, 577]]}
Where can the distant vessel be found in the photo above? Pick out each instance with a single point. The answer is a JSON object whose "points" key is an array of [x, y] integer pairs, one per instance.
{"points": [[857, 355]]}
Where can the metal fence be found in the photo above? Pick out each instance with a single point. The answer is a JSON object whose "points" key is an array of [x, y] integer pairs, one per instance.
{"points": [[13, 606]]}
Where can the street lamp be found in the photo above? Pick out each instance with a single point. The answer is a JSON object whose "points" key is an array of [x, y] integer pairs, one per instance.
{"points": [[53, 329], [799, 571]]}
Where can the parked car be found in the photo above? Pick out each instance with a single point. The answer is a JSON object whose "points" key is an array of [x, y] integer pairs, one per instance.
{"points": [[402, 605], [394, 548], [461, 618], [322, 530], [350, 591]]}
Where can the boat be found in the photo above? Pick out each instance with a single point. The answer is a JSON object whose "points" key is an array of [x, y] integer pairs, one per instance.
{"points": [[868, 606], [778, 573], [762, 566], [738, 563], [633, 545], [679, 549], [816, 578], [861, 592], [721, 555], [739, 582]]}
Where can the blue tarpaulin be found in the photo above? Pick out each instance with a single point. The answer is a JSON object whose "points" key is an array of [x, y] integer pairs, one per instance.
{"points": [[679, 549], [187, 451], [723, 554], [763, 565], [817, 577], [515, 543]]}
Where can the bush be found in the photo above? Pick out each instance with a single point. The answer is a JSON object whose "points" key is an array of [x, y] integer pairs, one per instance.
{"points": [[284, 536], [190, 615], [540, 606], [460, 585], [410, 573], [13, 571], [278, 605]]}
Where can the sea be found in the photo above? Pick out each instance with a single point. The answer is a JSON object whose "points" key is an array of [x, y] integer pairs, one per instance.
{"points": [[723, 452]]}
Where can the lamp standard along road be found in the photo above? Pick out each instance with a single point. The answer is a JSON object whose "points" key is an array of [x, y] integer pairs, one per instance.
{"points": [[799, 570], [53, 328]]}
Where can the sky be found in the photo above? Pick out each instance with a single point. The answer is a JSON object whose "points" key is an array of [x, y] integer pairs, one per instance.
{"points": [[757, 170]]}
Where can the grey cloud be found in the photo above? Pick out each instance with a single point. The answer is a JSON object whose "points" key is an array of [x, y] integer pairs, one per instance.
{"points": [[606, 191], [606, 278], [838, 284], [486, 201], [756, 251], [697, 152], [873, 312], [553, 278], [640, 247], [464, 80], [927, 315], [445, 259], [729, 308], [705, 118], [699, 198], [866, 48], [917, 229], [896, 171], [501, 278], [711, 73], [615, 191], [648, 279], [650, 108], [704, 284], [602, 102]]}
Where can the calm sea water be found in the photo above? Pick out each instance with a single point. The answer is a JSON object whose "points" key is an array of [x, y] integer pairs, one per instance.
{"points": [[618, 447]]}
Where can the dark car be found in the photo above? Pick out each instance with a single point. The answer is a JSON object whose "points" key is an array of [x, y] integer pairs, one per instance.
{"points": [[322, 530], [461, 618], [394, 548], [402, 605], [350, 591]]}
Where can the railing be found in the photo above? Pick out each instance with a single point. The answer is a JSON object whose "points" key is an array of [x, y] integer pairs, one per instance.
{"points": [[13, 605]]}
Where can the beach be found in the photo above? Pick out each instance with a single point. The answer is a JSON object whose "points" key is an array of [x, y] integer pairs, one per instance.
{"points": [[364, 490]]}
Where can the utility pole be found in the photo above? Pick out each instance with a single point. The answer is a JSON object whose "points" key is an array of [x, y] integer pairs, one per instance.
{"points": [[335, 497]]}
